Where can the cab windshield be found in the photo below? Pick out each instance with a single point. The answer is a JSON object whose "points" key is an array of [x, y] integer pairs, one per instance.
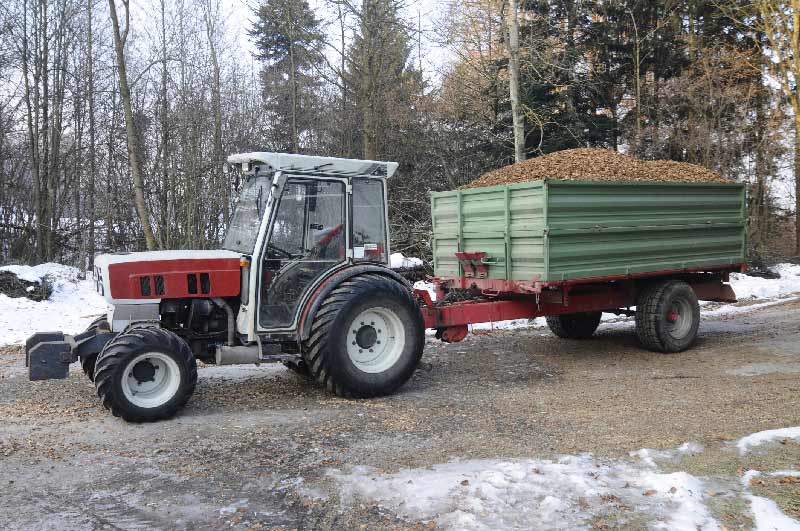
{"points": [[246, 220]]}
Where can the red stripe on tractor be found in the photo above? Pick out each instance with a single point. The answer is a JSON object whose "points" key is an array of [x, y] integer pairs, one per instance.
{"points": [[224, 278]]}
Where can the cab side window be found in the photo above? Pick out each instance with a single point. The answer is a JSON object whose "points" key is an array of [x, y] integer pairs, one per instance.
{"points": [[369, 221]]}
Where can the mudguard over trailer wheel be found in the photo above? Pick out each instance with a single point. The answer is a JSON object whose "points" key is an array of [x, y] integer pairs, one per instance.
{"points": [[145, 374], [366, 338], [574, 325], [667, 316]]}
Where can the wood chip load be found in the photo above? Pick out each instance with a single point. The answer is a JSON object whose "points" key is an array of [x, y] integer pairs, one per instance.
{"points": [[593, 164]]}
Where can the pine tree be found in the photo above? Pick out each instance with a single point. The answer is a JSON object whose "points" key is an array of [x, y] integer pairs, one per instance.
{"points": [[288, 38]]}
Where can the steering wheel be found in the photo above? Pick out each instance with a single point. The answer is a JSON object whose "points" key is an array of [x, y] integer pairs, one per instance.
{"points": [[280, 252]]}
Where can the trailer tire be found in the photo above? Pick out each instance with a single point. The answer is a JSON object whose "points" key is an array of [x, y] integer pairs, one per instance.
{"points": [[342, 351], [88, 362], [574, 325], [667, 316], [132, 360]]}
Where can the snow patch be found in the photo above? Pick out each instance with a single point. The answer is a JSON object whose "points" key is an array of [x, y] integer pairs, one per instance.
{"points": [[567, 493], [757, 288], [400, 261], [768, 517], [72, 306], [755, 439]]}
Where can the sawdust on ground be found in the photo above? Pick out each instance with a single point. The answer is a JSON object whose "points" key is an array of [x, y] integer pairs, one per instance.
{"points": [[593, 164]]}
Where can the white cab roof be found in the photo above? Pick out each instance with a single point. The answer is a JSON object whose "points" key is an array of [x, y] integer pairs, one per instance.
{"points": [[317, 165]]}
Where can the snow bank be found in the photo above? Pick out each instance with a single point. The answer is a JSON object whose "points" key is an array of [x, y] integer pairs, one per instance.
{"points": [[747, 287], [71, 307], [400, 261], [755, 439], [484, 495], [767, 515]]}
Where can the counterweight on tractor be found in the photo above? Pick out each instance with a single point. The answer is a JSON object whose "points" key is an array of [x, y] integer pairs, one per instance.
{"points": [[303, 279]]}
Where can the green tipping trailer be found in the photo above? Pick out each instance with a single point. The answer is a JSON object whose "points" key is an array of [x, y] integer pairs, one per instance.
{"points": [[556, 230]]}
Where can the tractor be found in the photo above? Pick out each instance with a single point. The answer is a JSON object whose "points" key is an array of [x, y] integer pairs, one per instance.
{"points": [[302, 278]]}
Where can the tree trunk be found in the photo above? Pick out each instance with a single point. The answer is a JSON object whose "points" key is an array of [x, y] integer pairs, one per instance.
{"points": [[130, 128], [797, 180], [92, 140], [512, 44]]}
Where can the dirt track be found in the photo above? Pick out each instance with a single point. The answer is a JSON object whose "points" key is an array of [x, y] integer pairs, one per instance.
{"points": [[253, 448]]}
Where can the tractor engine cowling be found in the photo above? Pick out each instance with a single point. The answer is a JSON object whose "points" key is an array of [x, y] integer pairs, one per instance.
{"points": [[136, 283]]}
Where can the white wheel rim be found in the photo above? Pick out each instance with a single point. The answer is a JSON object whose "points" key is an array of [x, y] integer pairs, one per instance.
{"points": [[151, 379], [375, 340]]}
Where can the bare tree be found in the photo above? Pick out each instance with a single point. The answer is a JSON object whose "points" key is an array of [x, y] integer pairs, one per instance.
{"points": [[511, 22], [120, 39]]}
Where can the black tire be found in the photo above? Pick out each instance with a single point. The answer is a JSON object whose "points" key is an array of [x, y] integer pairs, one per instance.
{"points": [[574, 325], [667, 316], [326, 351], [111, 373], [88, 362]]}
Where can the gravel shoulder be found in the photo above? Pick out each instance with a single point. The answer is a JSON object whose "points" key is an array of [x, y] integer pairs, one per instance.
{"points": [[254, 446]]}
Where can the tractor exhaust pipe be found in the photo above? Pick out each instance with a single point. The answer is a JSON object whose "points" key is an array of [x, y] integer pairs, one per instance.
{"points": [[231, 319]]}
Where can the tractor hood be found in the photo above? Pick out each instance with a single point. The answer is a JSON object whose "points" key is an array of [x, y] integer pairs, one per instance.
{"points": [[147, 277]]}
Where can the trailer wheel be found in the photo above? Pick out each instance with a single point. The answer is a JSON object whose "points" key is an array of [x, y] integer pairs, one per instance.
{"points": [[366, 338], [88, 362], [667, 317], [574, 325], [145, 374]]}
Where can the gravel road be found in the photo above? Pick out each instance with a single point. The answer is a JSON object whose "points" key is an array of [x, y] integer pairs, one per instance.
{"points": [[255, 447]]}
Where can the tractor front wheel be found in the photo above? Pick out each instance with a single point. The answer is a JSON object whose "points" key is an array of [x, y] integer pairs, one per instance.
{"points": [[366, 339], [145, 374]]}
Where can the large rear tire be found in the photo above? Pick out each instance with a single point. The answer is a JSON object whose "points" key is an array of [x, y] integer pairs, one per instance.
{"points": [[88, 362], [667, 316], [574, 325], [366, 338], [145, 374]]}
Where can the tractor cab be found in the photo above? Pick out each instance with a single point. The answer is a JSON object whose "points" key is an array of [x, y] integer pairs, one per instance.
{"points": [[298, 219]]}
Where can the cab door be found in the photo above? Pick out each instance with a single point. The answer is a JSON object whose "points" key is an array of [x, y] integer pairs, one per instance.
{"points": [[307, 238]]}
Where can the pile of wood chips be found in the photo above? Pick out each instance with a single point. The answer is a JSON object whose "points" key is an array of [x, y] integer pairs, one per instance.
{"points": [[592, 164]]}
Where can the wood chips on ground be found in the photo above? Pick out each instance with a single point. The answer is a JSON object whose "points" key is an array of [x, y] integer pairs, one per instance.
{"points": [[592, 164]]}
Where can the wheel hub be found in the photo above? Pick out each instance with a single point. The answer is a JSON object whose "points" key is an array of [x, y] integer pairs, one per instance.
{"points": [[144, 371], [366, 336]]}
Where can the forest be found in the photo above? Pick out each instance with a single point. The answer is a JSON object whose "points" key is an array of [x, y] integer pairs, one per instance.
{"points": [[116, 116]]}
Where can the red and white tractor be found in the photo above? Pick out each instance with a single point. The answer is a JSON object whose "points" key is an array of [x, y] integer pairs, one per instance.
{"points": [[302, 279]]}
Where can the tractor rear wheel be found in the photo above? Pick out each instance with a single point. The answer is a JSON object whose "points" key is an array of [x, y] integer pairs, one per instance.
{"points": [[145, 374], [366, 338], [88, 362], [667, 316], [574, 325]]}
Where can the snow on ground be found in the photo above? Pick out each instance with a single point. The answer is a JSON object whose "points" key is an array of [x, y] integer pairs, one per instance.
{"points": [[565, 493], [71, 307], [767, 516], [569, 492], [755, 439]]}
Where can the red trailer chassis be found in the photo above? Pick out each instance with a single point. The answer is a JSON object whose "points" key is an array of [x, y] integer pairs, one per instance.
{"points": [[499, 300]]}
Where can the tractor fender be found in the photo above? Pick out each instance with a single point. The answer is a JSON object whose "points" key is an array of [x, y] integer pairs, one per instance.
{"points": [[329, 284]]}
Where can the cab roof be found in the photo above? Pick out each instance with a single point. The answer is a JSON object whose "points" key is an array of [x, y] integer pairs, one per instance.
{"points": [[316, 165]]}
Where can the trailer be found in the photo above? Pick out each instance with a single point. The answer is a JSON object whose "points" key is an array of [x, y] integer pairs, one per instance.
{"points": [[303, 279]]}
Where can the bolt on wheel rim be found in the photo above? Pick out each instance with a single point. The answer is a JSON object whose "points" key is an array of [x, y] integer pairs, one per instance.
{"points": [[151, 379], [679, 317], [375, 340]]}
